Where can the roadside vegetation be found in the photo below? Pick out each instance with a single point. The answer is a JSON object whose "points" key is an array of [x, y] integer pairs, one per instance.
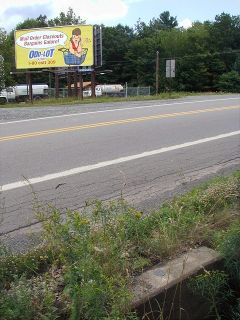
{"points": [[221, 288], [102, 99], [88, 100], [87, 260]]}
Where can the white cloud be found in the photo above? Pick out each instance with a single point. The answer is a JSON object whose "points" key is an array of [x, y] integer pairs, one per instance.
{"points": [[93, 11], [14, 11], [16, 3], [186, 23], [132, 1]]}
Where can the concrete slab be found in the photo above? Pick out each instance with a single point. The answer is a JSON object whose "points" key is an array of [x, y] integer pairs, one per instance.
{"points": [[162, 277]]}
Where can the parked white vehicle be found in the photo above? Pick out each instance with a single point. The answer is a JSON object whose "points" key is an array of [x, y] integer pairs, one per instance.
{"points": [[21, 93], [105, 89], [110, 89], [7, 95]]}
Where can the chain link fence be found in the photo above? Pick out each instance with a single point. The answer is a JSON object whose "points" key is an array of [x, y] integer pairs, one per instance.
{"points": [[126, 92], [136, 91]]}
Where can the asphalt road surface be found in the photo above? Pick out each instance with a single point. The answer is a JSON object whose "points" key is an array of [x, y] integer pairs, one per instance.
{"points": [[145, 151]]}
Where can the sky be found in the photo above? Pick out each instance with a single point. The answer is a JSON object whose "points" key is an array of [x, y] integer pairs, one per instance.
{"points": [[113, 12]]}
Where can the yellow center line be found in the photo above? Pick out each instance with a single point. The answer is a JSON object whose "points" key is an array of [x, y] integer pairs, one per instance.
{"points": [[114, 122]]}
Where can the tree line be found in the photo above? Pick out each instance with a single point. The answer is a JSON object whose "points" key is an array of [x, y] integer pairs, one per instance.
{"points": [[207, 54]]}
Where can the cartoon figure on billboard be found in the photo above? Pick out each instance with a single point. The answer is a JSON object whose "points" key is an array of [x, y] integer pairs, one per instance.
{"points": [[75, 54], [75, 42]]}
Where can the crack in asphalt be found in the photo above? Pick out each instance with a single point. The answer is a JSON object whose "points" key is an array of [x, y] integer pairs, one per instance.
{"points": [[132, 194]]}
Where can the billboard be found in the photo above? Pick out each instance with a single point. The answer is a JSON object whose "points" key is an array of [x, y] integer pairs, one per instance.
{"points": [[54, 47]]}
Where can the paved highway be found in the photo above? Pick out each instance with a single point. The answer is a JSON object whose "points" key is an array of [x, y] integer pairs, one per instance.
{"points": [[147, 151]]}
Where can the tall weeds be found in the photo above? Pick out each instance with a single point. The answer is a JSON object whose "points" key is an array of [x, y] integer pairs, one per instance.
{"points": [[88, 259]]}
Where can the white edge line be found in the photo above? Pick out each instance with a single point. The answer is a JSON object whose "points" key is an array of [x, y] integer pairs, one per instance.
{"points": [[115, 110], [103, 164]]}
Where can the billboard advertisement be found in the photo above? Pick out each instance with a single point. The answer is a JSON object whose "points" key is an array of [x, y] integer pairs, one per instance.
{"points": [[54, 47]]}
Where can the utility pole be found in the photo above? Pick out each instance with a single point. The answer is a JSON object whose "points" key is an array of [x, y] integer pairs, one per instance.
{"points": [[157, 72]]}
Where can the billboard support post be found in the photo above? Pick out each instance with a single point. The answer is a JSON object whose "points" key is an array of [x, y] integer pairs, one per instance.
{"points": [[93, 83], [69, 83], [56, 84], [97, 40], [80, 92], [75, 83], [29, 86]]}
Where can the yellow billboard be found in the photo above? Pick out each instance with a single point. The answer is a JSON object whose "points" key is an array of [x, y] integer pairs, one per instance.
{"points": [[54, 47]]}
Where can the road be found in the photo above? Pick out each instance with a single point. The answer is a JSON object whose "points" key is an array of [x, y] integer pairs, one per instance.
{"points": [[146, 151]]}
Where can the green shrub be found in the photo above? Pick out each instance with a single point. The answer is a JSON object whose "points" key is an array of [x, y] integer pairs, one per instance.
{"points": [[29, 264], [28, 299], [235, 314], [212, 286], [229, 82], [222, 288], [228, 243]]}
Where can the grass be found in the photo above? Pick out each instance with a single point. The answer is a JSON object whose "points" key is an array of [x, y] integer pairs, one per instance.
{"points": [[221, 288], [86, 264], [102, 99]]}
